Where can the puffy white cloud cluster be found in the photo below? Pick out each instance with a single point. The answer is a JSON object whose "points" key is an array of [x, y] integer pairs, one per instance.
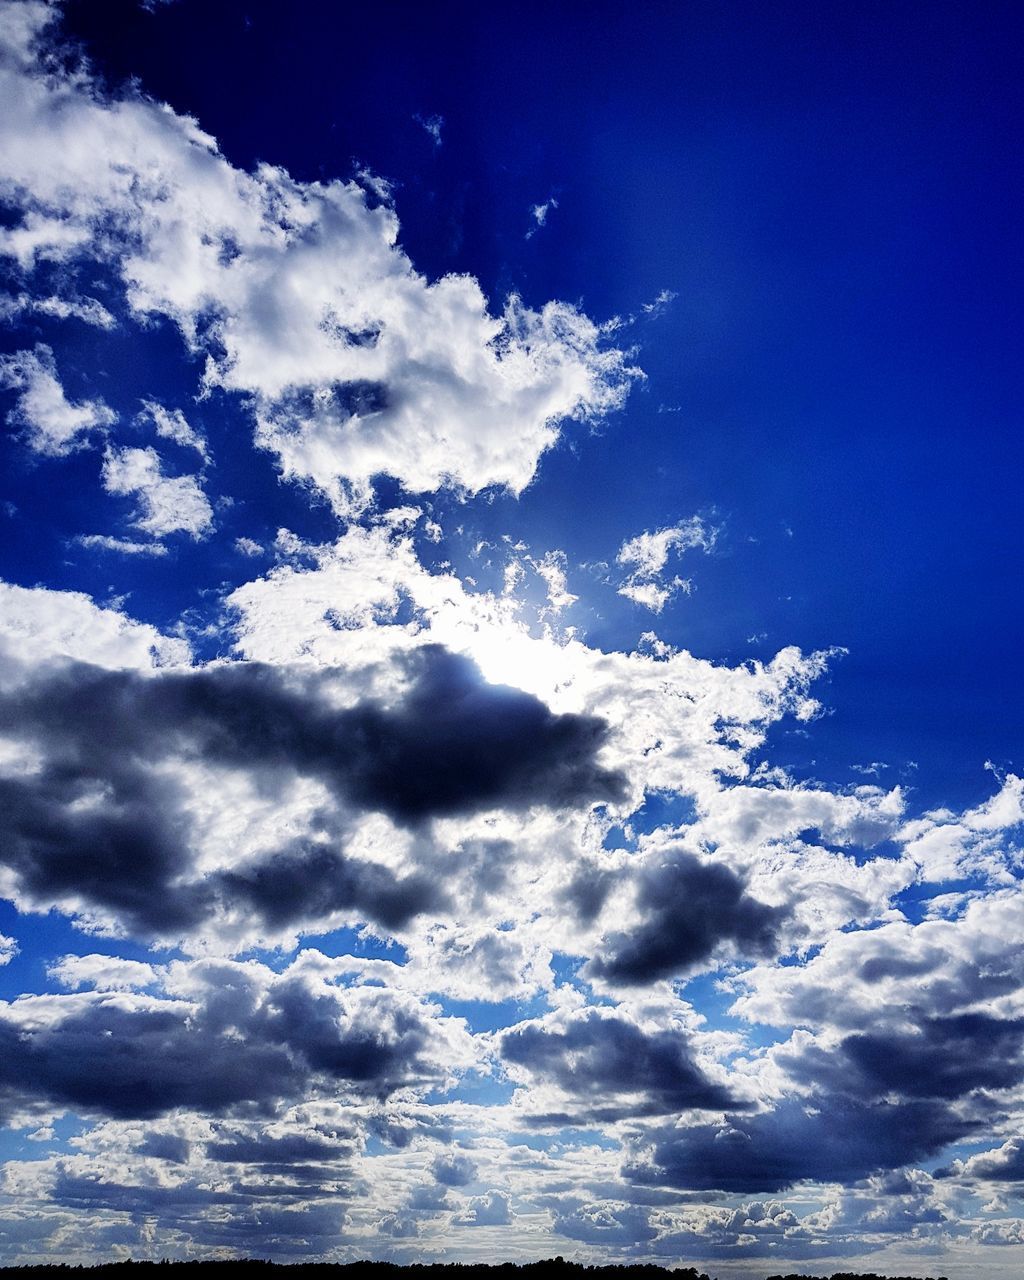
{"points": [[296, 293]]}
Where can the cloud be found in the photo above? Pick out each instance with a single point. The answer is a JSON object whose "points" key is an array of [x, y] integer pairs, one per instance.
{"points": [[54, 426], [172, 424], [539, 213], [646, 556], [168, 504], [8, 949], [870, 1102], [672, 722], [950, 846], [124, 546], [660, 304], [103, 973], [40, 237], [296, 294], [832, 1139], [222, 1036], [86, 309], [899, 973], [453, 1170], [104, 824], [552, 567], [491, 1210], [686, 910], [938, 1058], [288, 1148], [432, 125], [38, 625], [606, 1067], [604, 1223], [1001, 1164]]}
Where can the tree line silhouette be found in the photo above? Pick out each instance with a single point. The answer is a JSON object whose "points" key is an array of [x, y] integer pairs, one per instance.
{"points": [[549, 1269]]}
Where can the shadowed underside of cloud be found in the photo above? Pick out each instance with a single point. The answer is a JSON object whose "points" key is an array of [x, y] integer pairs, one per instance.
{"points": [[828, 1139], [102, 820], [608, 1067], [230, 1037], [689, 908], [940, 1058], [880, 1100]]}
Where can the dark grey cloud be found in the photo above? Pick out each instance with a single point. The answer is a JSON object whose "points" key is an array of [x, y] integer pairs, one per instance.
{"points": [[690, 908], [165, 1146], [613, 1067], [942, 1058], [278, 1150], [432, 1198], [877, 1101], [310, 880], [399, 1226], [143, 1062], [101, 822], [826, 1139], [242, 1218], [233, 1047]]}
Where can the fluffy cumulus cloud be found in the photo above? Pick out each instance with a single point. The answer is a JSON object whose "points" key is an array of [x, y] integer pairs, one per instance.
{"points": [[386, 913], [296, 294]]}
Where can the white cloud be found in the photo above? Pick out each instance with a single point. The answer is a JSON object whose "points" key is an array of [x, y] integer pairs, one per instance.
{"points": [[646, 555], [539, 213], [660, 304], [124, 546], [86, 309], [492, 1210], [38, 625], [357, 364], [53, 424], [653, 595], [169, 504], [553, 567], [103, 973], [949, 846], [40, 237], [8, 949], [888, 975], [432, 125], [172, 424]]}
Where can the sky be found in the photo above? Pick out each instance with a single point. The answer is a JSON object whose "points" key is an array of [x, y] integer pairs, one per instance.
{"points": [[509, 634]]}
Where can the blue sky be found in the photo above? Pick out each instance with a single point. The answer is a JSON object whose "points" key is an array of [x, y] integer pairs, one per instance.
{"points": [[509, 633]]}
